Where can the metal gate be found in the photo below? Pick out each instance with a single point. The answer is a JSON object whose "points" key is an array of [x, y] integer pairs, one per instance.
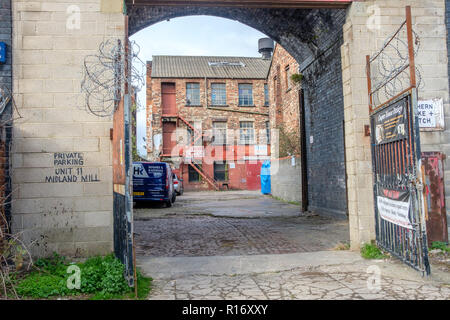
{"points": [[395, 143]]}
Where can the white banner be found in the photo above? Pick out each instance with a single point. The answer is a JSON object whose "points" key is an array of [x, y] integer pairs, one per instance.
{"points": [[394, 211]]}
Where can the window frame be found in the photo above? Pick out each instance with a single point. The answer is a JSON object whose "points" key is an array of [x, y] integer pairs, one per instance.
{"points": [[250, 98], [223, 141], [199, 166], [223, 94], [252, 135], [225, 171], [287, 69], [266, 95], [188, 90]]}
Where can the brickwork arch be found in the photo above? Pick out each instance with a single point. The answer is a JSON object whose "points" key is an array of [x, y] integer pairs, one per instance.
{"points": [[314, 38]]}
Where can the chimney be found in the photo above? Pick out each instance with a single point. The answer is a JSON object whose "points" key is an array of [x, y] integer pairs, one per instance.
{"points": [[266, 47]]}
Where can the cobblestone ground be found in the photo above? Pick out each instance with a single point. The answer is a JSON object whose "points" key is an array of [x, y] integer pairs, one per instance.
{"points": [[205, 236], [232, 223], [309, 283], [248, 224]]}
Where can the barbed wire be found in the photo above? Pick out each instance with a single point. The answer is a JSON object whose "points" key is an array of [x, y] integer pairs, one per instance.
{"points": [[389, 67], [105, 76]]}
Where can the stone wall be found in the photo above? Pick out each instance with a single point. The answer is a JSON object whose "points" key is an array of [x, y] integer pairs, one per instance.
{"points": [[286, 182], [63, 206], [367, 26]]}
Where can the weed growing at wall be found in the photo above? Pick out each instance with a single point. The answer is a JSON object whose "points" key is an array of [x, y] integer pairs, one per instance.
{"points": [[289, 142], [371, 251], [438, 245], [101, 278]]}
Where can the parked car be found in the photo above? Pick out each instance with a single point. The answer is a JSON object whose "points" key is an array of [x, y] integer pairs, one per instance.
{"points": [[178, 185], [153, 181]]}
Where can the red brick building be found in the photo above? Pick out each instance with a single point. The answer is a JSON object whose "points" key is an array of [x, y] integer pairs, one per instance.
{"points": [[209, 117], [284, 93]]}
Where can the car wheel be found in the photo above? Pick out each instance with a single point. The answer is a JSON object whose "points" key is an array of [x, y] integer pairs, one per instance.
{"points": [[174, 197], [169, 203]]}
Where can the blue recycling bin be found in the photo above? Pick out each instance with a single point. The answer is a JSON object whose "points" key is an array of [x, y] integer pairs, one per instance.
{"points": [[265, 178]]}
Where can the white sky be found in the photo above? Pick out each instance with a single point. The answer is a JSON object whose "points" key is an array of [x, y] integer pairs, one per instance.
{"points": [[193, 35]]}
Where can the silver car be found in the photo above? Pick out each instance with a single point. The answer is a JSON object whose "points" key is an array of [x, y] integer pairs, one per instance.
{"points": [[178, 185]]}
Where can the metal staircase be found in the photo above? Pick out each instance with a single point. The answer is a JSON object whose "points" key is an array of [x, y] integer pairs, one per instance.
{"points": [[197, 136]]}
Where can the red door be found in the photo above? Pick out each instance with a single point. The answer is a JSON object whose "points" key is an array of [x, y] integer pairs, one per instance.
{"points": [[168, 99], [169, 139], [253, 176]]}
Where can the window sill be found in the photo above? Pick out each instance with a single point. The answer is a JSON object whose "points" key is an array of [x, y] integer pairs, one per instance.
{"points": [[252, 106], [219, 105], [194, 105]]}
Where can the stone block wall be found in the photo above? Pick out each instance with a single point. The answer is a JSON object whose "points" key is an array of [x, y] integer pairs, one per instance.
{"points": [[367, 26], [286, 182], [62, 163]]}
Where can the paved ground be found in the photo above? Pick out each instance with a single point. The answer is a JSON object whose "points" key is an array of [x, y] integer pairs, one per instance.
{"points": [[347, 281], [241, 245], [232, 223]]}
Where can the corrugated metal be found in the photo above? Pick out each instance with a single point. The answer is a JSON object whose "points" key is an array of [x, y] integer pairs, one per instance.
{"points": [[199, 67], [436, 216]]}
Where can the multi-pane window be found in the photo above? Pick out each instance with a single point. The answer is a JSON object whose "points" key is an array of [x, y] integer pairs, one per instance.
{"points": [[193, 94], [268, 132], [246, 132], [194, 176], [218, 94], [220, 171], [220, 132], [266, 95], [245, 94]]}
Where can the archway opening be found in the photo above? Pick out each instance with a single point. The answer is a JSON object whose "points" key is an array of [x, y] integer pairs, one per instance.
{"points": [[312, 38]]}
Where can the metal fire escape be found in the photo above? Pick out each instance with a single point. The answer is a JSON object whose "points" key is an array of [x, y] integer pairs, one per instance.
{"points": [[192, 161]]}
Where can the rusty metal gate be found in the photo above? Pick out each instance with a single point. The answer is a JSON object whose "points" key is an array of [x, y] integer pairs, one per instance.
{"points": [[395, 143]]}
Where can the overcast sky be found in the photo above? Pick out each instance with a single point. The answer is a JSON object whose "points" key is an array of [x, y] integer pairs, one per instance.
{"points": [[194, 35]]}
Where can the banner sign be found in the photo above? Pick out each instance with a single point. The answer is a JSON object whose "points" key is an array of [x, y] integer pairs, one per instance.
{"points": [[393, 206], [391, 123]]}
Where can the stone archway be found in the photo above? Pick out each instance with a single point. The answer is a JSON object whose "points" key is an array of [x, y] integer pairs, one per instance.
{"points": [[314, 38]]}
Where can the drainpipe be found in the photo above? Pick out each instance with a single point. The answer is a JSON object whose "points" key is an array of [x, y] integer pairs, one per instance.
{"points": [[206, 92]]}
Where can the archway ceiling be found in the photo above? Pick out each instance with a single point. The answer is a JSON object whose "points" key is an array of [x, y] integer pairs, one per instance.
{"points": [[305, 4]]}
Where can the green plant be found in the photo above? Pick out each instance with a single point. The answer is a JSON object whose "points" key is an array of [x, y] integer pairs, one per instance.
{"points": [[297, 78], [101, 277], [440, 246], [38, 285], [371, 251]]}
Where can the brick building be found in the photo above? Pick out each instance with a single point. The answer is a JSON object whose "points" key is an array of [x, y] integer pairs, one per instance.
{"points": [[209, 117], [285, 117], [284, 94]]}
